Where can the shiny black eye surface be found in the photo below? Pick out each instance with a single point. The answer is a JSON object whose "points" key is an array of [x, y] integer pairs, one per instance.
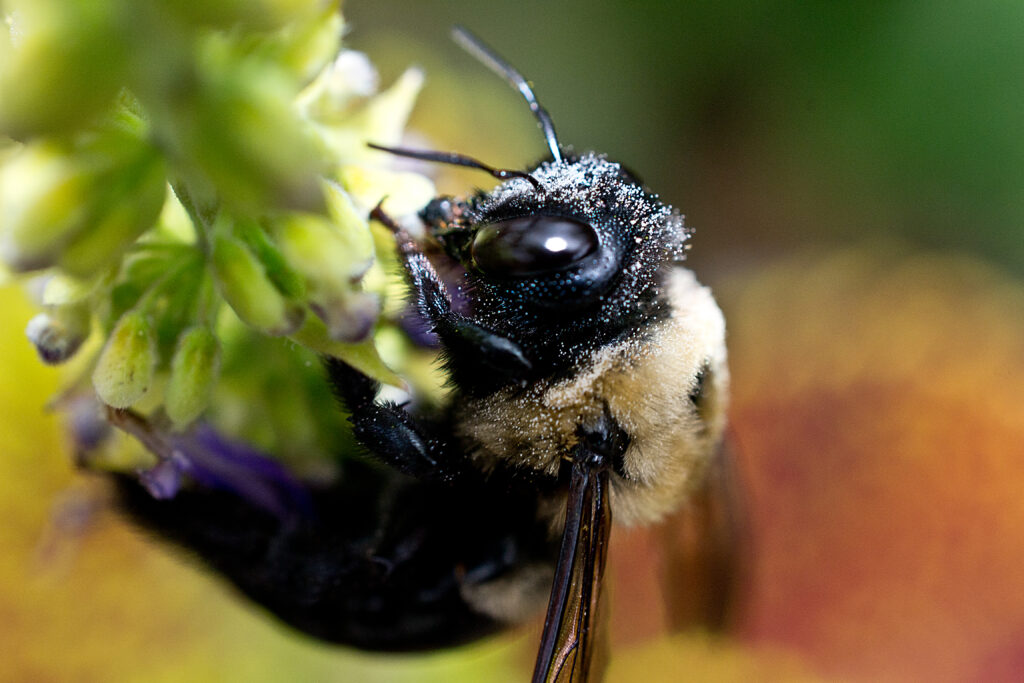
{"points": [[532, 245]]}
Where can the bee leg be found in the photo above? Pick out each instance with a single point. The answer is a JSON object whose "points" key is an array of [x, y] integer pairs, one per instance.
{"points": [[387, 431], [460, 335]]}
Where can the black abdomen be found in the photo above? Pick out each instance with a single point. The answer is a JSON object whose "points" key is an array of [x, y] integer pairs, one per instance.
{"points": [[379, 562]]}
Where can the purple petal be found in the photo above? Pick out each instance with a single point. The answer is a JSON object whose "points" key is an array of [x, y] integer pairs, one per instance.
{"points": [[163, 481], [214, 462], [218, 463]]}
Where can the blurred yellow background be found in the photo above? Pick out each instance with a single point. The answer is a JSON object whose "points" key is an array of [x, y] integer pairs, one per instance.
{"points": [[855, 173]]}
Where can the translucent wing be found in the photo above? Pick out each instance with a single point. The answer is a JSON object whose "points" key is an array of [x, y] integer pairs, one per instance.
{"points": [[567, 643], [707, 548]]}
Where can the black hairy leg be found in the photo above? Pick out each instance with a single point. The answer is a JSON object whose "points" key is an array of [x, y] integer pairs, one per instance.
{"points": [[480, 352], [416, 445], [379, 561], [388, 432]]}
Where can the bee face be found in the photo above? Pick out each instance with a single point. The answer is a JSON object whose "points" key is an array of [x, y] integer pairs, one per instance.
{"points": [[588, 235]]}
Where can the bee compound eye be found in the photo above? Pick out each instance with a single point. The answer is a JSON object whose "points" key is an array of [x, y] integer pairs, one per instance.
{"points": [[532, 245]]}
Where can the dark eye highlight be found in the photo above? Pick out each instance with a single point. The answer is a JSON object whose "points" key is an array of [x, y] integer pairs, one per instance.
{"points": [[531, 245]]}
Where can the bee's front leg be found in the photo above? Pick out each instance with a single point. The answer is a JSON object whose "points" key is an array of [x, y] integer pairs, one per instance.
{"points": [[390, 433]]}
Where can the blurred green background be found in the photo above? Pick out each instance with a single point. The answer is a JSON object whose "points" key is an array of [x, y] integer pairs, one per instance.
{"points": [[768, 123], [879, 381]]}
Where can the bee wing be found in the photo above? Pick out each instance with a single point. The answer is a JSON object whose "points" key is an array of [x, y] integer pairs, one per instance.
{"points": [[707, 547], [567, 641]]}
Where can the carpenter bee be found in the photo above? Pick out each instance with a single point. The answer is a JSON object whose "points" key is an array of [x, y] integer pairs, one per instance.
{"points": [[588, 374]]}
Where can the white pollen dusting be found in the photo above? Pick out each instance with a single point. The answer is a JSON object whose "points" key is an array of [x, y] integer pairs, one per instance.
{"points": [[592, 187]]}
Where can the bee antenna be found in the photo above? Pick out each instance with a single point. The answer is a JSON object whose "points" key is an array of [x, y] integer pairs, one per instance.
{"points": [[489, 58], [458, 160]]}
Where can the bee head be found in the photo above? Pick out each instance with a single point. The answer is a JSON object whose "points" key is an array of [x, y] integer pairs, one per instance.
{"points": [[563, 257], [584, 234]]}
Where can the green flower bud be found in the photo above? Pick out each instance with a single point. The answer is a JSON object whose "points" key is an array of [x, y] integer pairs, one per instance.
{"points": [[44, 200], [238, 128], [330, 261], [61, 290], [128, 216], [253, 15], [57, 335], [284, 277], [124, 371], [244, 284], [194, 370], [307, 46], [322, 251], [79, 204], [352, 224], [62, 63]]}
